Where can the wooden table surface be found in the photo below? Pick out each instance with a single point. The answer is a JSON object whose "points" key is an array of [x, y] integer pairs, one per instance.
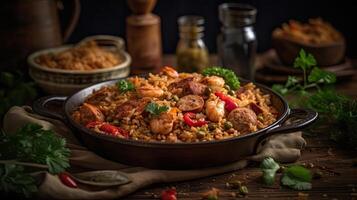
{"points": [[339, 168]]}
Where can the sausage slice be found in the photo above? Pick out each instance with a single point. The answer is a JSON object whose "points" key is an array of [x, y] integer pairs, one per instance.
{"points": [[190, 103]]}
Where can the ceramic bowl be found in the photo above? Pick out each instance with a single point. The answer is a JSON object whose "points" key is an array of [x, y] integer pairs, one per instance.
{"points": [[66, 82]]}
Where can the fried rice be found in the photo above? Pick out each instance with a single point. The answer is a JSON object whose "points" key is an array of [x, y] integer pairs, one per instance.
{"points": [[181, 93]]}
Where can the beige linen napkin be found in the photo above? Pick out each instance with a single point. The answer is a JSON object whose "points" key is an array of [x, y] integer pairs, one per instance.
{"points": [[283, 148]]}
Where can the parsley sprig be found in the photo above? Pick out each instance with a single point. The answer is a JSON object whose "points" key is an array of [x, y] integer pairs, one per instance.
{"points": [[229, 76], [155, 109], [337, 111], [15, 179], [124, 86], [30, 146], [315, 79]]}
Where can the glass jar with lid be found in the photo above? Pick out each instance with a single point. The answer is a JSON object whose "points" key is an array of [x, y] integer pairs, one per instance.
{"points": [[237, 42], [191, 52]]}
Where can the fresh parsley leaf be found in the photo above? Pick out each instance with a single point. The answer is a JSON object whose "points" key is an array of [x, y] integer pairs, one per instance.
{"points": [[297, 178], [304, 61], [125, 86], [13, 179], [281, 89], [269, 168], [295, 184], [228, 75], [290, 85], [34, 144], [156, 109], [321, 76], [292, 81]]}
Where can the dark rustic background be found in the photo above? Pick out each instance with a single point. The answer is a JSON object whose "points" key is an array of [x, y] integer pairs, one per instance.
{"points": [[108, 17]]}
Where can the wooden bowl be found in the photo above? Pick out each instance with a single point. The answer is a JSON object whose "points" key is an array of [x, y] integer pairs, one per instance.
{"points": [[325, 55], [67, 82]]}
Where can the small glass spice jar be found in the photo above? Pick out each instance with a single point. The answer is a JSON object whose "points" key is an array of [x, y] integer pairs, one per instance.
{"points": [[191, 52], [237, 42]]}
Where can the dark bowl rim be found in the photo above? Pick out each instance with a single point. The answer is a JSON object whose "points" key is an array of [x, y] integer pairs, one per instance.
{"points": [[341, 43], [157, 144]]}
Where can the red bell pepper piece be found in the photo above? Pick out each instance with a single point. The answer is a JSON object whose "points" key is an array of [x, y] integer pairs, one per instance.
{"points": [[188, 119], [67, 180], [229, 102], [113, 130], [93, 124], [169, 194]]}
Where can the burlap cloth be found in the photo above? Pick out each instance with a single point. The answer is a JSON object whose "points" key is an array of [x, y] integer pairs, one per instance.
{"points": [[283, 148]]}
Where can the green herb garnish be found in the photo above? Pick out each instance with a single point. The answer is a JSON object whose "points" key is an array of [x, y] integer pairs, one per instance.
{"points": [[269, 168], [229, 76], [156, 109], [14, 179], [297, 178], [321, 76], [125, 86], [34, 144], [336, 110], [29, 146], [316, 78]]}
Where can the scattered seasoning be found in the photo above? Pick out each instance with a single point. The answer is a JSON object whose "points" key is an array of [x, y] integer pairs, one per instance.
{"points": [[235, 184], [317, 174], [211, 194], [243, 190], [303, 196], [310, 165], [67, 180], [169, 194]]}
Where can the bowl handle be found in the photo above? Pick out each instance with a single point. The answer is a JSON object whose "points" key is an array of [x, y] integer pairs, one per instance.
{"points": [[40, 107], [297, 119]]}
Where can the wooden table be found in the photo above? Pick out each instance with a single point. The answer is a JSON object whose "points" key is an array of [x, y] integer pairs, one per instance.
{"points": [[339, 167]]}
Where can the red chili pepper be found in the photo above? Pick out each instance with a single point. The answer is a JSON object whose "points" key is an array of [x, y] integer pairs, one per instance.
{"points": [[93, 124], [113, 130], [67, 180], [188, 119], [169, 194], [229, 102]]}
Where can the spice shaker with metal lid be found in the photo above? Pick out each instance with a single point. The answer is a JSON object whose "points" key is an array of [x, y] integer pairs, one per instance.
{"points": [[192, 54], [237, 42]]}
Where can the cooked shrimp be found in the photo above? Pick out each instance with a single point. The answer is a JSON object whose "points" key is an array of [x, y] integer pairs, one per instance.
{"points": [[89, 113], [171, 72], [215, 109], [162, 124], [214, 81], [149, 91]]}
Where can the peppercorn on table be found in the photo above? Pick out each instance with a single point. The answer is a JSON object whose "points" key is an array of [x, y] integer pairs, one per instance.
{"points": [[336, 166]]}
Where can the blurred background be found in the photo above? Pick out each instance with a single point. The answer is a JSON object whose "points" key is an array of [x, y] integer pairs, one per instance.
{"points": [[98, 17]]}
